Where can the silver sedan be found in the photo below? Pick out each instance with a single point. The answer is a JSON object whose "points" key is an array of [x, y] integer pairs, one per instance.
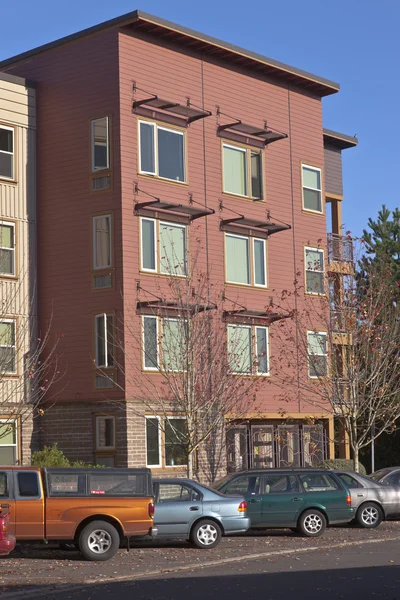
{"points": [[191, 511], [371, 500]]}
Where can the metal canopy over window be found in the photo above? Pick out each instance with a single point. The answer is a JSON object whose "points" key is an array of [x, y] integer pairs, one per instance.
{"points": [[170, 308], [243, 315], [264, 227], [152, 104], [265, 134], [189, 212]]}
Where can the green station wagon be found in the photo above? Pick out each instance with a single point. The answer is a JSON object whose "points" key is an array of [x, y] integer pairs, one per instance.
{"points": [[305, 500]]}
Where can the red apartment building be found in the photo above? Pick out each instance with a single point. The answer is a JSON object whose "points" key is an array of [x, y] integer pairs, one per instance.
{"points": [[145, 126]]}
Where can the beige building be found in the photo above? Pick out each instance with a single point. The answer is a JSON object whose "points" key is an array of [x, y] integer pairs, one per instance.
{"points": [[18, 330]]}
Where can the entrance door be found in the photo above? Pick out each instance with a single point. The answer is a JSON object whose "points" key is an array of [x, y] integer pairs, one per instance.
{"points": [[282, 501], [29, 505], [262, 445]]}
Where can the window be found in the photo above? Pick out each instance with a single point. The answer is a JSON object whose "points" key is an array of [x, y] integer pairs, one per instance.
{"points": [[162, 151], [349, 481], [315, 278], [100, 144], [245, 260], [8, 442], [3, 485], [28, 484], [276, 484], [164, 350], [108, 483], [102, 242], [175, 436], [242, 171], [164, 247], [248, 349], [393, 479], [7, 248], [66, 484], [175, 492], [104, 340], [153, 458], [105, 433], [6, 152], [243, 485], [8, 350], [312, 196], [315, 482], [317, 354]]}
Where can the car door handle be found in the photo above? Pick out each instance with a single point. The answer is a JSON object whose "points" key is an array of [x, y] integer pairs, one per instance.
{"points": [[253, 501], [194, 508], [5, 506], [297, 499]]}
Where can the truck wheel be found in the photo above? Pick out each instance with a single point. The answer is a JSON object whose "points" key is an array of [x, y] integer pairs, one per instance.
{"points": [[369, 515], [312, 523], [99, 540], [206, 534]]}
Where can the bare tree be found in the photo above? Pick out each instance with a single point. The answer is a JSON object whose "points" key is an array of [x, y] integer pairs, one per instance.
{"points": [[341, 353]]}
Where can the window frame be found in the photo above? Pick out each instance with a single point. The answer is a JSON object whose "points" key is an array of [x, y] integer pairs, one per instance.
{"points": [[325, 334], [254, 350], [248, 150], [158, 419], [15, 422], [105, 315], [319, 170], [106, 449], [306, 270], [13, 153], [251, 260], [13, 225], [94, 242], [15, 323], [159, 334], [157, 224], [92, 145], [171, 129], [168, 418]]}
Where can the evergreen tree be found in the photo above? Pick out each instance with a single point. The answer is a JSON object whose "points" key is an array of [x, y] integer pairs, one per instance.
{"points": [[382, 243]]}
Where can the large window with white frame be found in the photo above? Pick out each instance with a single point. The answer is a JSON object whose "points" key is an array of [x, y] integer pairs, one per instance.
{"points": [[163, 247], [104, 340], [100, 142], [163, 343], [245, 260], [248, 349], [7, 248], [242, 171], [315, 272], [162, 151], [312, 190], [8, 347], [317, 354], [174, 441], [6, 152], [8, 442], [102, 253]]}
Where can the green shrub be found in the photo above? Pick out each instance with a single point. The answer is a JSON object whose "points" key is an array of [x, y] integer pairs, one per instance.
{"points": [[341, 463], [50, 456]]}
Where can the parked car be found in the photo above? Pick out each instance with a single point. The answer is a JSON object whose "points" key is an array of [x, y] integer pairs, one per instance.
{"points": [[187, 510], [372, 501], [388, 476], [304, 500], [7, 541]]}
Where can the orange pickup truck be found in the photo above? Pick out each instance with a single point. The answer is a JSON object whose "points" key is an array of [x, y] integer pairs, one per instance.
{"points": [[95, 509]]}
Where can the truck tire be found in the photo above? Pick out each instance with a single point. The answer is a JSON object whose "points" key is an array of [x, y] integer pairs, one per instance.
{"points": [[369, 515], [99, 541], [206, 534], [312, 523]]}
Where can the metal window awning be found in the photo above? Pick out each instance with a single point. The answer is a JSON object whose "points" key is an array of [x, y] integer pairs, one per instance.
{"points": [[265, 134], [266, 227], [189, 211], [170, 307], [243, 314], [185, 111]]}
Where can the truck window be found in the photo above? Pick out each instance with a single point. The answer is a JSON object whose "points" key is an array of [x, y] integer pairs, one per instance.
{"points": [[110, 484], [3, 485], [28, 485], [70, 484]]}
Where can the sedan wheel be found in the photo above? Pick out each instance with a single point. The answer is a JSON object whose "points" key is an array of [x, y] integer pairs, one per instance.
{"points": [[312, 523], [369, 515], [206, 534]]}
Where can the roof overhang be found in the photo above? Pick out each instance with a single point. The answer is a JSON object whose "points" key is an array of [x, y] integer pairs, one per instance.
{"points": [[190, 212], [339, 140], [263, 227], [160, 28], [244, 315], [171, 308]]}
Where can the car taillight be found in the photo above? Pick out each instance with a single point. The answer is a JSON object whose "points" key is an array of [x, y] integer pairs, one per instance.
{"points": [[242, 506], [348, 500], [151, 509]]}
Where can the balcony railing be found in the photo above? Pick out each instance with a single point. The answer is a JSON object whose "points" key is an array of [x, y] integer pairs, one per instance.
{"points": [[342, 319], [340, 248], [344, 394]]}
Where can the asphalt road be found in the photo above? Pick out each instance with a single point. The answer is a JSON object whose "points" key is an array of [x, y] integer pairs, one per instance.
{"points": [[356, 564]]}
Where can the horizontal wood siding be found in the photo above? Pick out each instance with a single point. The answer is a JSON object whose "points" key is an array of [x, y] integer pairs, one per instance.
{"points": [[333, 170]]}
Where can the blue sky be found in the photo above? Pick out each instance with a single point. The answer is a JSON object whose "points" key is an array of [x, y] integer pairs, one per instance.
{"points": [[353, 42]]}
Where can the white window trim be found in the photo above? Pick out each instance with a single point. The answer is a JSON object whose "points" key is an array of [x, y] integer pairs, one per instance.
{"points": [[104, 448], [247, 152], [303, 187], [254, 349], [12, 225], [92, 140], [251, 261], [325, 354], [142, 267], [257, 372], [109, 218], [14, 321], [156, 127], [321, 250], [159, 464], [9, 153], [105, 341], [165, 451], [151, 369], [157, 224], [16, 445]]}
